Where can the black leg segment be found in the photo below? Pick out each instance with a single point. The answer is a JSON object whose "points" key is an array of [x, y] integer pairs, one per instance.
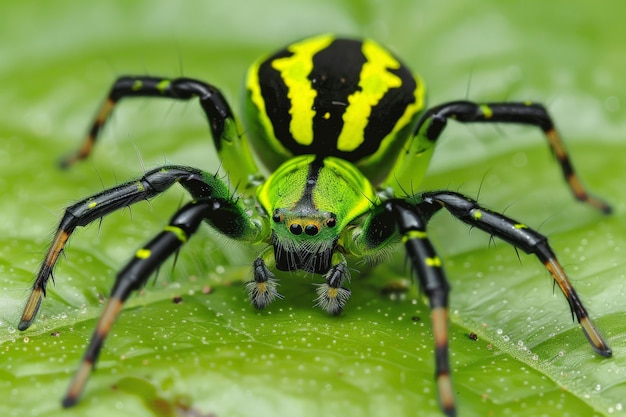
{"points": [[233, 222], [134, 276], [434, 121], [526, 239], [213, 103], [411, 226]]}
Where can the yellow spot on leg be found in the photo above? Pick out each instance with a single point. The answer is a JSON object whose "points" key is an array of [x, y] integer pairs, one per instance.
{"points": [[435, 261], [163, 85], [180, 233], [487, 112], [143, 253], [414, 234]]}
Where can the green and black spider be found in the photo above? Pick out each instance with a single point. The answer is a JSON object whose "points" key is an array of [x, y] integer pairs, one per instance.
{"points": [[342, 127]]}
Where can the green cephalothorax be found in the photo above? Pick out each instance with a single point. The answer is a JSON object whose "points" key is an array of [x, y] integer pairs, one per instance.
{"points": [[342, 128], [311, 199]]}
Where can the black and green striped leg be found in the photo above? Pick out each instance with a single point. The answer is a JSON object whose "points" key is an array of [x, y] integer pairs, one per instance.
{"points": [[233, 222], [435, 119], [212, 101], [524, 238], [135, 274], [411, 225]]}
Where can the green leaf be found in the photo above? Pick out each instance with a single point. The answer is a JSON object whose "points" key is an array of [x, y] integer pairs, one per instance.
{"points": [[213, 353]]}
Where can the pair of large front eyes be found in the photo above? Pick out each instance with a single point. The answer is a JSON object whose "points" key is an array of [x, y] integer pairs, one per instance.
{"points": [[310, 229]]}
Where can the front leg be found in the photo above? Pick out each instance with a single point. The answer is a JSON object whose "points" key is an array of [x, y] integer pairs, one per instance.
{"points": [[424, 260], [146, 261], [198, 183], [380, 230]]}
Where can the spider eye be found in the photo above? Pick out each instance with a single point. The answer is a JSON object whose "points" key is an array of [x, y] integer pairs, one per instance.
{"points": [[295, 228], [277, 217], [311, 229], [331, 222]]}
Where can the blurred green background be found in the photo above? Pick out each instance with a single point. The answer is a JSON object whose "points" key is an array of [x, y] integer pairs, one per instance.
{"points": [[213, 354]]}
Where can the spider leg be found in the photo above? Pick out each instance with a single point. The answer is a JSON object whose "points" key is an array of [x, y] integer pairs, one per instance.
{"points": [[232, 146], [424, 260], [380, 230], [198, 183], [138, 270], [434, 120], [524, 238]]}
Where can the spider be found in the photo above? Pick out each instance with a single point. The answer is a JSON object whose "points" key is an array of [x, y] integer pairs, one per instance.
{"points": [[342, 127]]}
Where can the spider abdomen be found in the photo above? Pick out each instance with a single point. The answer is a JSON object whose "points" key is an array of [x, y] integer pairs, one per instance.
{"points": [[329, 96]]}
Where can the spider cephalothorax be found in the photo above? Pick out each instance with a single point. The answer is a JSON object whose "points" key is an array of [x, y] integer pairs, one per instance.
{"points": [[341, 124], [302, 241]]}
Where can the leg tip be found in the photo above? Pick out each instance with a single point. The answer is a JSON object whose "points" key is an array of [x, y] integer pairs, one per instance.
{"points": [[597, 203], [446, 396], [30, 309], [606, 351], [69, 402], [24, 324], [450, 412], [606, 209], [597, 342], [66, 162]]}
